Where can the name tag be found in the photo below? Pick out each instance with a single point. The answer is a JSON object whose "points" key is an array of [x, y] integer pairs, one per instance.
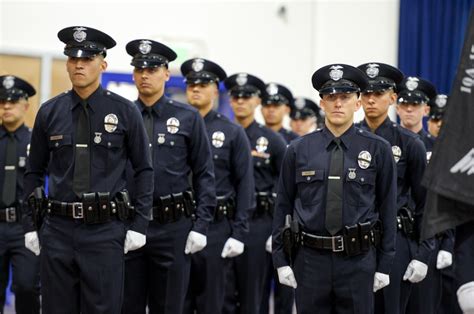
{"points": [[308, 173], [56, 137]]}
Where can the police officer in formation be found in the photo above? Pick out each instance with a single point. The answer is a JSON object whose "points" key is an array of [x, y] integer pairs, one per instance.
{"points": [[83, 140], [306, 116], [276, 106], [411, 258], [435, 116], [234, 189], [14, 150], [338, 186], [184, 192], [267, 149]]}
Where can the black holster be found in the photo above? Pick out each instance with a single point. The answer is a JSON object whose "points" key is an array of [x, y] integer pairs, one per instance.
{"points": [[37, 203], [406, 222], [125, 210], [189, 204], [290, 237]]}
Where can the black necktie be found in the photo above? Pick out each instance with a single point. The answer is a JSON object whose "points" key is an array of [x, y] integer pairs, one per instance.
{"points": [[148, 121], [82, 161], [334, 195], [9, 183]]}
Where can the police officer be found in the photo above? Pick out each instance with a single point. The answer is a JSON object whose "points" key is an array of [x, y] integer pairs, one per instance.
{"points": [[14, 148], [234, 188], [84, 138], [267, 149], [306, 116], [411, 259], [338, 185], [435, 116], [276, 104], [158, 274]]}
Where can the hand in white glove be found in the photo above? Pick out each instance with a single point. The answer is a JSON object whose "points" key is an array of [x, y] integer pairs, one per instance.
{"points": [[196, 242], [133, 241], [466, 297], [286, 276], [232, 248], [268, 245], [381, 280], [416, 271], [444, 259], [32, 242]]}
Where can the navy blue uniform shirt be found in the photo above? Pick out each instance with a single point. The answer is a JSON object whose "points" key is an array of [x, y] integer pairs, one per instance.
{"points": [[429, 141], [53, 142], [287, 135], [410, 155], [268, 149], [233, 168], [22, 136], [180, 146], [369, 189]]}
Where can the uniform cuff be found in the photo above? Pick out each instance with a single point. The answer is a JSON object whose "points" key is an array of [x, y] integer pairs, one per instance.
{"points": [[201, 226], [279, 259]]}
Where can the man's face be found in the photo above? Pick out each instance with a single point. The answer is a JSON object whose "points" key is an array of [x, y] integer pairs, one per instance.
{"points": [[201, 95], [274, 113], [434, 125], [376, 104], [13, 111], [244, 107], [303, 126], [85, 72], [151, 81], [411, 114], [340, 108]]}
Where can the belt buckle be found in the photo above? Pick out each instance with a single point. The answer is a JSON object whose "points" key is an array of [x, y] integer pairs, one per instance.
{"points": [[10, 214], [77, 210], [337, 244]]}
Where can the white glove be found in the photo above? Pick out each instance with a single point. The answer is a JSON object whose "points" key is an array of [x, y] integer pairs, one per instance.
{"points": [[268, 245], [466, 297], [444, 259], [133, 241], [381, 280], [32, 242], [196, 242], [416, 271], [286, 276], [232, 248]]}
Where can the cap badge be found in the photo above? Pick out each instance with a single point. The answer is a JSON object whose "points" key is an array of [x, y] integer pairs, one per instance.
{"points": [[441, 101], [299, 103], [336, 73], [397, 153], [110, 122], [172, 125], [218, 139], [198, 65], [8, 82], [144, 47], [411, 83], [272, 89], [262, 144], [364, 159], [241, 79], [79, 34], [372, 70]]}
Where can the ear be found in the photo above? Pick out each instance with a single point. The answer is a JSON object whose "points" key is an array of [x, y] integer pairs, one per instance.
{"points": [[103, 65], [287, 109], [358, 104], [167, 74], [393, 98], [426, 110]]}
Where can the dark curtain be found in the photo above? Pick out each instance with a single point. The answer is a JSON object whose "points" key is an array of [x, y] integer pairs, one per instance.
{"points": [[431, 38]]}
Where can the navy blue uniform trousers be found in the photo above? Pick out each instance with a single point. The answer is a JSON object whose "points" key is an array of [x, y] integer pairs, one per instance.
{"points": [[82, 266], [283, 296], [25, 269]]}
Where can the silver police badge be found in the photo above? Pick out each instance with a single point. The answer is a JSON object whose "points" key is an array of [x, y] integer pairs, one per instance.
{"points": [[299, 103], [272, 89], [198, 65], [411, 83], [22, 162], [352, 173], [8, 82], [397, 152], [262, 144], [172, 125], [98, 137], [144, 47], [372, 70], [110, 122], [28, 150], [241, 79], [79, 34], [161, 138], [218, 139], [364, 159], [441, 101], [336, 73]]}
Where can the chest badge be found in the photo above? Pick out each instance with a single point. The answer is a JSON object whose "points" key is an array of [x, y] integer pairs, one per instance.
{"points": [[352, 173], [428, 156], [161, 138], [397, 153], [172, 125], [110, 122], [364, 159], [262, 144], [22, 162], [28, 150], [97, 137], [218, 139]]}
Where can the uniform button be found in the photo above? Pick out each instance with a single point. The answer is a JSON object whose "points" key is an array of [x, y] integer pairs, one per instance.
{"points": [[267, 161], [109, 144], [366, 237], [353, 239], [166, 209], [89, 208], [308, 178], [56, 144], [362, 180], [259, 164], [104, 206], [215, 156], [172, 143]]}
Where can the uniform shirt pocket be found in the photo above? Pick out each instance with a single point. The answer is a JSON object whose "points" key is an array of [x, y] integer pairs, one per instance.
{"points": [[359, 186], [62, 151], [309, 183], [106, 149]]}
